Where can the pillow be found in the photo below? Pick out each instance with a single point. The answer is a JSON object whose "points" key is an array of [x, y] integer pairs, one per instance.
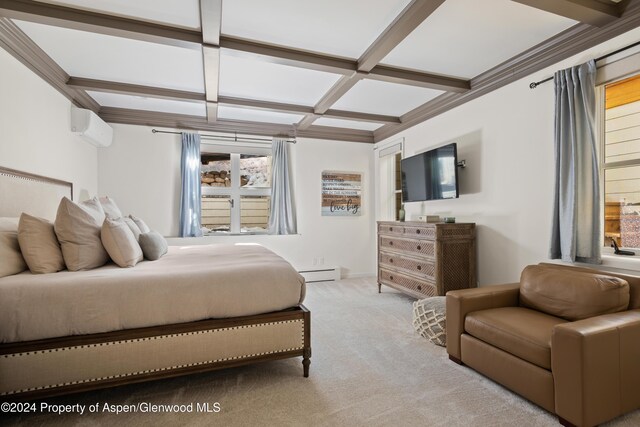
{"points": [[39, 245], [120, 243], [153, 245], [572, 295], [94, 207], [110, 208], [78, 231], [141, 224], [133, 227], [11, 261]]}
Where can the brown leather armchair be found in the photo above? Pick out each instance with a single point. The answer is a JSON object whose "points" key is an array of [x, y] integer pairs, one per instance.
{"points": [[566, 338]]}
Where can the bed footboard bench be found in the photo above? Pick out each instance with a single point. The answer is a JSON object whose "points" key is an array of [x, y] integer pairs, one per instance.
{"points": [[50, 367]]}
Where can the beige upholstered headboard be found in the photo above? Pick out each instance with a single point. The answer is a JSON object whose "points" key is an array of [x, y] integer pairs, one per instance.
{"points": [[34, 194]]}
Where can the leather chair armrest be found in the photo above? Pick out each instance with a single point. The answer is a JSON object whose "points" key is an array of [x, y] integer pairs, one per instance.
{"points": [[464, 301], [595, 367]]}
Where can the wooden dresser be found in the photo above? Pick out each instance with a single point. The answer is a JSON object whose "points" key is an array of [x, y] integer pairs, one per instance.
{"points": [[426, 259]]}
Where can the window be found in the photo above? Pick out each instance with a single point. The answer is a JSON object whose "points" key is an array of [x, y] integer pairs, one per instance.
{"points": [[620, 163], [389, 181], [398, 186], [236, 192]]}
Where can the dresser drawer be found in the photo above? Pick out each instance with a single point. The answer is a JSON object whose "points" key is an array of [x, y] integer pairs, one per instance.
{"points": [[391, 229], [420, 232], [400, 280], [409, 246], [420, 268]]}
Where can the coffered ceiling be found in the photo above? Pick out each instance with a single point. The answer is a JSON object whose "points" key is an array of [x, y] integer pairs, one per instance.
{"points": [[356, 70]]}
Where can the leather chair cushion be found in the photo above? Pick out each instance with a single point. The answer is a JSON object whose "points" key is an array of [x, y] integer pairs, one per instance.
{"points": [[520, 331], [572, 295], [634, 281]]}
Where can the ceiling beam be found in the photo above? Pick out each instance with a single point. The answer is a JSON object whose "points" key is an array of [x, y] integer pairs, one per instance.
{"points": [[336, 65], [336, 92], [136, 90], [592, 12], [77, 19], [21, 47], [288, 56], [212, 111], [570, 42], [361, 117], [254, 104], [415, 78], [211, 23], [180, 121], [180, 95], [307, 121], [404, 24]]}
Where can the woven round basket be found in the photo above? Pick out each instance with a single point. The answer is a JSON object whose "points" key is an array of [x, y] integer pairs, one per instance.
{"points": [[429, 319]]}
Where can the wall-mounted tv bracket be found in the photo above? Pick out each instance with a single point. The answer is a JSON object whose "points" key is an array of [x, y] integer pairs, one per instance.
{"points": [[462, 164]]}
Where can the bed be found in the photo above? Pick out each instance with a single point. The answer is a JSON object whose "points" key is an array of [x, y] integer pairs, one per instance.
{"points": [[69, 332]]}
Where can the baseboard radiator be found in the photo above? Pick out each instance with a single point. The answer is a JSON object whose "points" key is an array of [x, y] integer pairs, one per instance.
{"points": [[325, 274]]}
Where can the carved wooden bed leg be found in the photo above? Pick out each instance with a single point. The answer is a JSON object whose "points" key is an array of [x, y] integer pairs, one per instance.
{"points": [[306, 361], [379, 288]]}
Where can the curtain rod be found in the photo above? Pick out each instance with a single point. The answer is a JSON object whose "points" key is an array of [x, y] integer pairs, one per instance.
{"points": [[234, 138], [534, 85]]}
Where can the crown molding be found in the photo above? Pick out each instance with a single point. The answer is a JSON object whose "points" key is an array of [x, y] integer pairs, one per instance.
{"points": [[21, 47]]}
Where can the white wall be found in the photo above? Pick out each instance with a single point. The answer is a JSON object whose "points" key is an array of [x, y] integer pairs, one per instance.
{"points": [[141, 171], [35, 135], [506, 137]]}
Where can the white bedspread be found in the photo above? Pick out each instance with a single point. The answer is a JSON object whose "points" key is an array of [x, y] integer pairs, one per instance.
{"points": [[189, 283]]}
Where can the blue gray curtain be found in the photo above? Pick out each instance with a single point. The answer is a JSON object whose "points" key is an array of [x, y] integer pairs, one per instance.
{"points": [[282, 219], [190, 209], [576, 227]]}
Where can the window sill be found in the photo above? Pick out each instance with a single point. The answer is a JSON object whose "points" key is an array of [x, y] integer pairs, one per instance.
{"points": [[623, 262], [228, 233]]}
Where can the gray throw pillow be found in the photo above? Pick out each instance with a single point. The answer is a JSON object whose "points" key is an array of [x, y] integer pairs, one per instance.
{"points": [[144, 228], [153, 245]]}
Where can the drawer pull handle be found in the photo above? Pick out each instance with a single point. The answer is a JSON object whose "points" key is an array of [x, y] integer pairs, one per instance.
{"points": [[417, 231], [390, 228], [419, 287], [390, 277], [390, 243], [419, 267], [419, 247], [391, 260]]}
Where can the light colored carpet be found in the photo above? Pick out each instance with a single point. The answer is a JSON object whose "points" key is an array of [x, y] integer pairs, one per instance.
{"points": [[368, 368]]}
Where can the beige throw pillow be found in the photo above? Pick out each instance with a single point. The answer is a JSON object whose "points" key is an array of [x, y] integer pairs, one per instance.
{"points": [[133, 227], [153, 245], [78, 231], [11, 261], [94, 207], [110, 208], [144, 228], [120, 243], [39, 245]]}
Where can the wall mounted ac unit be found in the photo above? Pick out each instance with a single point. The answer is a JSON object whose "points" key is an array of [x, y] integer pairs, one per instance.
{"points": [[92, 128]]}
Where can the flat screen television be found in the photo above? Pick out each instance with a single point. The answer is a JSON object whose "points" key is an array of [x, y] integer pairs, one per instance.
{"points": [[431, 175]]}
